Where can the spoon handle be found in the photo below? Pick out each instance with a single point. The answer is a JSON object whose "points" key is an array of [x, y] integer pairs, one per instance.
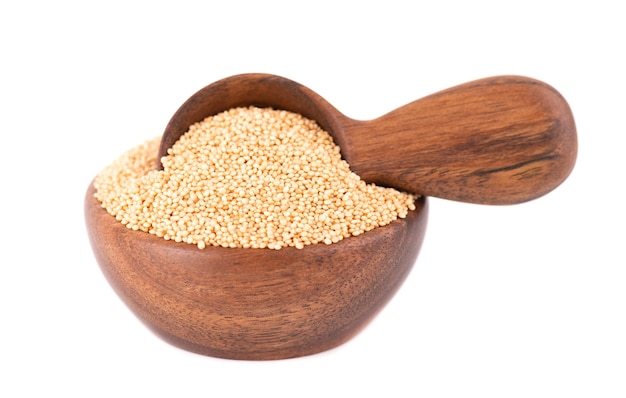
{"points": [[499, 140]]}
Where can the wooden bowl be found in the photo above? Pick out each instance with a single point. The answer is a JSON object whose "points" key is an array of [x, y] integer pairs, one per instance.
{"points": [[255, 304]]}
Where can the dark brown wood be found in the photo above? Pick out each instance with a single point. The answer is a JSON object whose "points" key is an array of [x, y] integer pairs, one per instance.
{"points": [[499, 140], [256, 304]]}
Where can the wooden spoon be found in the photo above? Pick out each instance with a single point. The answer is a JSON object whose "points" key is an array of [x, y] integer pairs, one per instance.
{"points": [[499, 140]]}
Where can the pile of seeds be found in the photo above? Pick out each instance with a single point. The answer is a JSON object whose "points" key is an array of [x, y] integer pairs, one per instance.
{"points": [[247, 177]]}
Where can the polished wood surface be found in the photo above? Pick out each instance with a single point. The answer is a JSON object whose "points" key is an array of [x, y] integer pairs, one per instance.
{"points": [[499, 140], [255, 304]]}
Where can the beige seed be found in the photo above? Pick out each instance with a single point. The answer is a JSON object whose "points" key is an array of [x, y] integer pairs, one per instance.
{"points": [[247, 177]]}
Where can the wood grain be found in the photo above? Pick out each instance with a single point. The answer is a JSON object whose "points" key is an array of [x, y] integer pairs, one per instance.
{"points": [[499, 140], [256, 304]]}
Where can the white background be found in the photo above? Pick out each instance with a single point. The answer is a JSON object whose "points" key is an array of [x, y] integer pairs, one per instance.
{"points": [[517, 301]]}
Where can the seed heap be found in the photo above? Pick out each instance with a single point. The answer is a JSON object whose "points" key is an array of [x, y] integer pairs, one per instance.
{"points": [[247, 177]]}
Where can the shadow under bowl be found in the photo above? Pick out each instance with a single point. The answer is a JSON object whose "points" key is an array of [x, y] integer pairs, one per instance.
{"points": [[255, 304]]}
